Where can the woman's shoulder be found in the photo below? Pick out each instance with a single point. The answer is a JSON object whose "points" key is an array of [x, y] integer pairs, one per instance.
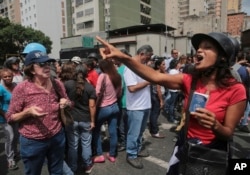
{"points": [[69, 82], [89, 88], [238, 87], [59, 82]]}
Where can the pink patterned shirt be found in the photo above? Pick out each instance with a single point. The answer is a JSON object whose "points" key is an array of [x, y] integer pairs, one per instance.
{"points": [[27, 94]]}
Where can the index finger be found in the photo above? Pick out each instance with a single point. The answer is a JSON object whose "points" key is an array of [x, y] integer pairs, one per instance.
{"points": [[102, 41]]}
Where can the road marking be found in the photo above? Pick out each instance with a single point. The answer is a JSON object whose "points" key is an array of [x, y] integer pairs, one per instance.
{"points": [[241, 134], [157, 161]]}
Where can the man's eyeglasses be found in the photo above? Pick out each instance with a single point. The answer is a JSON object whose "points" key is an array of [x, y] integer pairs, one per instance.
{"points": [[44, 64]]}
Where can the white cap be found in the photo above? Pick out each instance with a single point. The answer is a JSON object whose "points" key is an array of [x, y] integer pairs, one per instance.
{"points": [[76, 59]]}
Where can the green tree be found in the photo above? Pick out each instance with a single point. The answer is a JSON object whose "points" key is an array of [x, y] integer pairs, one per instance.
{"points": [[14, 37]]}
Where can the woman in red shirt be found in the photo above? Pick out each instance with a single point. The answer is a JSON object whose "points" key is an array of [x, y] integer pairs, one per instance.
{"points": [[213, 124]]}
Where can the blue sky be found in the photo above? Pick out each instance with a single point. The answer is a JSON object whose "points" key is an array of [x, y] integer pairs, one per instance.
{"points": [[246, 6]]}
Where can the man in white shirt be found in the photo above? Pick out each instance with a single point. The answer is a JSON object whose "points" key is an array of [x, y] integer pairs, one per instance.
{"points": [[138, 104]]}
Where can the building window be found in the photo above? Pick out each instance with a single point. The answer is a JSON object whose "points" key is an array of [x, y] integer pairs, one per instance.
{"points": [[127, 48], [89, 11], [79, 2], [79, 14], [89, 24], [86, 1], [79, 26], [145, 9], [106, 12], [145, 20]]}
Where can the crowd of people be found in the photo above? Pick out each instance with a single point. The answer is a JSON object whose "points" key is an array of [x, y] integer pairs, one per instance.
{"points": [[123, 92]]}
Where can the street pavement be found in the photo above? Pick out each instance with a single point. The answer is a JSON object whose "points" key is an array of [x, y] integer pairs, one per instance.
{"points": [[156, 164]]}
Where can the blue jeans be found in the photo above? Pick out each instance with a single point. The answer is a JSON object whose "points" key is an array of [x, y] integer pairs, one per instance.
{"points": [[79, 131], [66, 169], [166, 98], [244, 120], [137, 122], [171, 102], [122, 126], [34, 152], [11, 135], [110, 114], [154, 115]]}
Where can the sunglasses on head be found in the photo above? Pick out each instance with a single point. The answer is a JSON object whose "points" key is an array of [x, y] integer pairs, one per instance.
{"points": [[44, 64]]}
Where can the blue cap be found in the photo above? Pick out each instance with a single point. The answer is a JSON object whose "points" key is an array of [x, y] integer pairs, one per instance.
{"points": [[37, 56], [34, 46]]}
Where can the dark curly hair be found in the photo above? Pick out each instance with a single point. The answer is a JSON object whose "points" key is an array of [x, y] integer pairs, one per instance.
{"points": [[80, 78]]}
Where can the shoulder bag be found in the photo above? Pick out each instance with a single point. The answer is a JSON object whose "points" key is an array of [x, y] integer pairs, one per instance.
{"points": [[197, 159], [64, 113]]}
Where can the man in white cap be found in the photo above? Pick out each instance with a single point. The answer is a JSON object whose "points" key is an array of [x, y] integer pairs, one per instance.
{"points": [[76, 59]]}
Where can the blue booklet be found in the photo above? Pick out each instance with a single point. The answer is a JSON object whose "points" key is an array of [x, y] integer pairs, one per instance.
{"points": [[198, 101]]}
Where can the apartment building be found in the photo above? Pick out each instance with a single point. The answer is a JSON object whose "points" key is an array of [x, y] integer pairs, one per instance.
{"points": [[10, 9], [195, 16], [94, 17], [234, 6]]}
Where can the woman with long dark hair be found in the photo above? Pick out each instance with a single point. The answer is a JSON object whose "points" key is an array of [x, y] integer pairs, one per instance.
{"points": [[82, 93], [108, 83], [212, 125]]}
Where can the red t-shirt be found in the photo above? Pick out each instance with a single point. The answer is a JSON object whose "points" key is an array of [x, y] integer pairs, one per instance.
{"points": [[218, 102], [92, 77]]}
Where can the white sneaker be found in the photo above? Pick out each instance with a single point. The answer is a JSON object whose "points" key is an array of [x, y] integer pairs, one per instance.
{"points": [[12, 165], [103, 128]]}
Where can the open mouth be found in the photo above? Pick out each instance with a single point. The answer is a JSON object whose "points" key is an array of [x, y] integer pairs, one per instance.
{"points": [[199, 58]]}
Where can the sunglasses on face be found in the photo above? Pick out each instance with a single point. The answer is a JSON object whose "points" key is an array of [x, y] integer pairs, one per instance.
{"points": [[44, 64]]}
